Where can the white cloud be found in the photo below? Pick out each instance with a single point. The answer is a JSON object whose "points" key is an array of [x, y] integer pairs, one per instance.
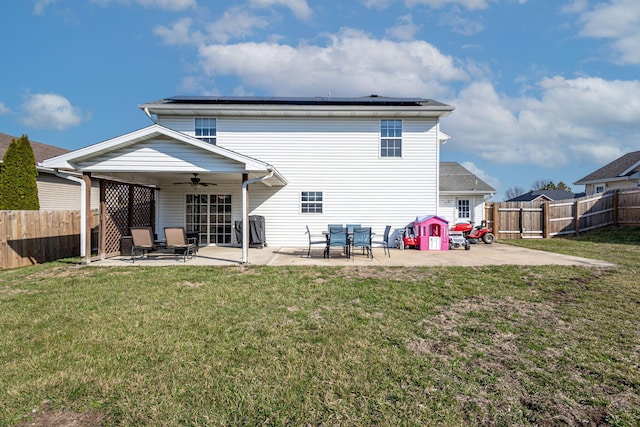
{"points": [[235, 23], [405, 29], [299, 8], [38, 8], [160, 4], [480, 173], [50, 111], [350, 65], [617, 21], [3, 109], [178, 33], [572, 120]]}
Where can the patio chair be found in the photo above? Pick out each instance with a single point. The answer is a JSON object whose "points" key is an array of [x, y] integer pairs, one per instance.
{"points": [[177, 240], [315, 242], [362, 239], [142, 242], [337, 238], [385, 240]]}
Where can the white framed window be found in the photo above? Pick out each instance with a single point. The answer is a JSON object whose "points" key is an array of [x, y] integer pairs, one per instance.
{"points": [[599, 189], [464, 209], [311, 202], [206, 129], [390, 138]]}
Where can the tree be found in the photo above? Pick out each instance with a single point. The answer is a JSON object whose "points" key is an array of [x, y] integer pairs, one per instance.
{"points": [[18, 187], [545, 184], [514, 192]]}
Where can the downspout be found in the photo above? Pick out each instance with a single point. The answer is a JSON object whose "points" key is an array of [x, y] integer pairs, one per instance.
{"points": [[83, 212], [245, 214], [146, 111]]}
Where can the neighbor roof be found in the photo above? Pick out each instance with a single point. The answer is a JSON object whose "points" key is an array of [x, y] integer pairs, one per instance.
{"points": [[547, 194], [619, 168], [40, 151], [456, 178]]}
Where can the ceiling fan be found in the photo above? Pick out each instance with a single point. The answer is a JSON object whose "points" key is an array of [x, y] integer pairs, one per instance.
{"points": [[195, 182]]}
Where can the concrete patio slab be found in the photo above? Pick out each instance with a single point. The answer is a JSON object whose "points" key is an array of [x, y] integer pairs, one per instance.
{"points": [[478, 255]]}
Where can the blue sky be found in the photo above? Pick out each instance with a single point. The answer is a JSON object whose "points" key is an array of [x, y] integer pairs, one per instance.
{"points": [[542, 90]]}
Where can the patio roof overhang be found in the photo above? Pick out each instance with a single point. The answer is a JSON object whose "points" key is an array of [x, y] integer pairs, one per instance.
{"points": [[120, 154]]}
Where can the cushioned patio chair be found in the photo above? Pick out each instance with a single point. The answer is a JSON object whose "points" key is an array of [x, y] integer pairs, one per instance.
{"points": [[142, 242], [177, 240], [321, 240]]}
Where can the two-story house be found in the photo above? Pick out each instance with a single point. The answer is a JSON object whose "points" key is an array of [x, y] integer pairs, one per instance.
{"points": [[295, 161]]}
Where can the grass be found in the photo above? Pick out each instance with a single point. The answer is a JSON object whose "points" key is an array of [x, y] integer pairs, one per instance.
{"points": [[175, 346]]}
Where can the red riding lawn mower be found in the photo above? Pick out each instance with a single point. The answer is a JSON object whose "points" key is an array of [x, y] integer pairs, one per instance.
{"points": [[475, 234]]}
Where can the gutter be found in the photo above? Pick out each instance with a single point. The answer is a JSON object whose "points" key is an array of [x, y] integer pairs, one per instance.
{"points": [[83, 212], [245, 214]]}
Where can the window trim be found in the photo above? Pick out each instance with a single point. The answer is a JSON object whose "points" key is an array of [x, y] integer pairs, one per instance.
{"points": [[468, 210], [387, 138], [206, 138], [314, 203]]}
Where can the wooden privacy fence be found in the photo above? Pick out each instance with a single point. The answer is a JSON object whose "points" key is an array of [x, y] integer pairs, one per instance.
{"points": [[32, 237], [524, 220]]}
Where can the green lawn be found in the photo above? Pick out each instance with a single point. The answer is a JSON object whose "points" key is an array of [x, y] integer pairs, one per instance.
{"points": [[178, 346]]}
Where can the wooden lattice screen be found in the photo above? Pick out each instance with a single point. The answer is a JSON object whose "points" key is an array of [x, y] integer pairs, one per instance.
{"points": [[123, 206]]}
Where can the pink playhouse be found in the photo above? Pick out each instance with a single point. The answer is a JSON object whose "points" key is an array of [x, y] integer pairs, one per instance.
{"points": [[432, 233]]}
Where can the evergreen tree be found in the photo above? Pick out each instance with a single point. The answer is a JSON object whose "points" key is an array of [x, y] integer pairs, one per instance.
{"points": [[18, 187]]}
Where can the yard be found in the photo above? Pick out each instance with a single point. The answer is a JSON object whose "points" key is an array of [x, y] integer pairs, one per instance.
{"points": [[179, 346]]}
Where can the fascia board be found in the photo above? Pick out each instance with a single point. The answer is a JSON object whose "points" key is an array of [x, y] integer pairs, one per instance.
{"points": [[70, 160], [297, 111], [603, 180], [629, 170]]}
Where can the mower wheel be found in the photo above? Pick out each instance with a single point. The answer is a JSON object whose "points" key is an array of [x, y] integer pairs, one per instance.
{"points": [[488, 238], [467, 246]]}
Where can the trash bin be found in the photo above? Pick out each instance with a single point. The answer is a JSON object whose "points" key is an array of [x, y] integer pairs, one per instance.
{"points": [[257, 236], [126, 244]]}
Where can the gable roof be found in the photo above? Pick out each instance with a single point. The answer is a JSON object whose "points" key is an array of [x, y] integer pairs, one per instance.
{"points": [[550, 195], [620, 168], [40, 151], [80, 160], [455, 178]]}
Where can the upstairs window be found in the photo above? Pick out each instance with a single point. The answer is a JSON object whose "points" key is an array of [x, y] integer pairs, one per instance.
{"points": [[311, 202], [599, 188], [206, 129], [390, 138]]}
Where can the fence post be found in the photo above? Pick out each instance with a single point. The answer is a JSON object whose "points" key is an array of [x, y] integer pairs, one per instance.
{"points": [[576, 216], [615, 207], [546, 223], [496, 225]]}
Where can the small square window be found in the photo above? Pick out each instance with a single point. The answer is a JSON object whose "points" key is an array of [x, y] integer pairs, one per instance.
{"points": [[311, 201]]}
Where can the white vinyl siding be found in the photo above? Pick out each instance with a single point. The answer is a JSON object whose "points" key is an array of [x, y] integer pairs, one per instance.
{"points": [[161, 155], [341, 158]]}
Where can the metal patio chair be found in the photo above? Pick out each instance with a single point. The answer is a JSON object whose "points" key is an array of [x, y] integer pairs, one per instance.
{"points": [[143, 242], [177, 240], [362, 239], [312, 241]]}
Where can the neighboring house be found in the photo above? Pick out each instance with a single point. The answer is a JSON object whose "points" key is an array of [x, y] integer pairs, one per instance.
{"points": [[622, 173], [462, 194], [295, 161], [544, 196], [54, 192]]}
